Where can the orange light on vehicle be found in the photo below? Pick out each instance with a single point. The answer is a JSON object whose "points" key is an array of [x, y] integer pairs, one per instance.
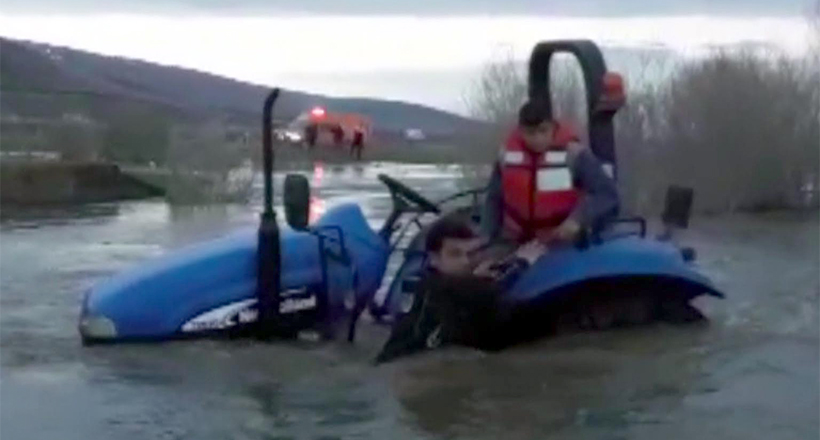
{"points": [[317, 112], [613, 95]]}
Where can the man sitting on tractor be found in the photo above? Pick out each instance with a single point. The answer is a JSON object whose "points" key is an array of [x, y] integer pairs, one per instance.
{"points": [[546, 189]]}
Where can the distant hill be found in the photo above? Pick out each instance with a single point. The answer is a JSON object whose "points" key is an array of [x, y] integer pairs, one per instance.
{"points": [[40, 80]]}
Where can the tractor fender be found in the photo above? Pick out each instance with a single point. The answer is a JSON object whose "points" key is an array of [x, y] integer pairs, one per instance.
{"points": [[627, 257]]}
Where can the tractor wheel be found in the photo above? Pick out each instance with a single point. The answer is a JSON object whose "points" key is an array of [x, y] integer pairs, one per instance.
{"points": [[679, 311], [617, 305]]}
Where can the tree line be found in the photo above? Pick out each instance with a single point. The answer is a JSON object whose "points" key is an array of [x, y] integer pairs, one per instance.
{"points": [[741, 126]]}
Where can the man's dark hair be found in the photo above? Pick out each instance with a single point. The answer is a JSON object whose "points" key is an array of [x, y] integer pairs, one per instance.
{"points": [[448, 228], [534, 112]]}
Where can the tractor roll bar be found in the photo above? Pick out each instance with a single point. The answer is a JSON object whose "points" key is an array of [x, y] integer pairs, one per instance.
{"points": [[601, 130]]}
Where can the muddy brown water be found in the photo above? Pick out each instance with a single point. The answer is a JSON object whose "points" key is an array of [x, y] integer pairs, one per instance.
{"points": [[751, 373]]}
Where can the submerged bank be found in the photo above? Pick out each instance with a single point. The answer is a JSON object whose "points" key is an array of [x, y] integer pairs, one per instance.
{"points": [[39, 183], [36, 184]]}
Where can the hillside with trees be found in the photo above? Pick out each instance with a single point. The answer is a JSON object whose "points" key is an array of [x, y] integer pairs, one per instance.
{"points": [[135, 105]]}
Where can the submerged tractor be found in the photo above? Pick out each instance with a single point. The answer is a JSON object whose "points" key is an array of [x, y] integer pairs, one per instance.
{"points": [[322, 276]]}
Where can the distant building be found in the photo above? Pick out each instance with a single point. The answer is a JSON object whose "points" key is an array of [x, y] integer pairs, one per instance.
{"points": [[78, 119], [414, 134]]}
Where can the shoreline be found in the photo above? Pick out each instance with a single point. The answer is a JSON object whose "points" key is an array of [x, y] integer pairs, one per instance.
{"points": [[41, 183]]}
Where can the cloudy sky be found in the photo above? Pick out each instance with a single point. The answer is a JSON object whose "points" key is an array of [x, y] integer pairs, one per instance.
{"points": [[426, 8], [350, 47]]}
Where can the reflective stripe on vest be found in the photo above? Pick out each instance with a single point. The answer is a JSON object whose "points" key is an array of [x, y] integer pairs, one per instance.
{"points": [[556, 158], [553, 179], [557, 176], [514, 157]]}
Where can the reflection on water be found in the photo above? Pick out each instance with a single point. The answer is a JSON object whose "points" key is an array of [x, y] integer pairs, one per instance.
{"points": [[595, 385], [317, 204], [752, 373]]}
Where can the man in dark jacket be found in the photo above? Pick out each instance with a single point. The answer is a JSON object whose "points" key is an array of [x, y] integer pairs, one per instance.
{"points": [[455, 303]]}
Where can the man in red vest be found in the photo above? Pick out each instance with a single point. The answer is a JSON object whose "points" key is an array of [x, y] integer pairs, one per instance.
{"points": [[546, 187]]}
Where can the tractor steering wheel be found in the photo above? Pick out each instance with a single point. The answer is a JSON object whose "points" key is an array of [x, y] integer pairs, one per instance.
{"points": [[410, 195]]}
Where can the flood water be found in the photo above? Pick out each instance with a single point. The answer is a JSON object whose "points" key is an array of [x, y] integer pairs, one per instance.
{"points": [[751, 373]]}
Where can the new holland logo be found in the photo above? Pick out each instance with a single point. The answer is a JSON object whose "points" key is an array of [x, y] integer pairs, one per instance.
{"points": [[245, 311], [223, 317], [296, 300], [291, 305]]}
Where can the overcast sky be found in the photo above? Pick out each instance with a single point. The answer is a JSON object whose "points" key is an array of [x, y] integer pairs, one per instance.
{"points": [[349, 47], [421, 7]]}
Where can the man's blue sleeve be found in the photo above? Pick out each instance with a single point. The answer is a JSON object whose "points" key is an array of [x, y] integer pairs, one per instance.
{"points": [[600, 201]]}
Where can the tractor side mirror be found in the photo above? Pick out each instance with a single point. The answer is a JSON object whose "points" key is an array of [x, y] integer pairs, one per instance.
{"points": [[678, 206], [297, 201]]}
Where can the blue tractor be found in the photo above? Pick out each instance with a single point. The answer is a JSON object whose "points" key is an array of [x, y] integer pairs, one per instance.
{"points": [[323, 276]]}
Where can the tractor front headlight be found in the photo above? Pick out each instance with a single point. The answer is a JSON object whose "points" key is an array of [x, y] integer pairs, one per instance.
{"points": [[96, 327]]}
